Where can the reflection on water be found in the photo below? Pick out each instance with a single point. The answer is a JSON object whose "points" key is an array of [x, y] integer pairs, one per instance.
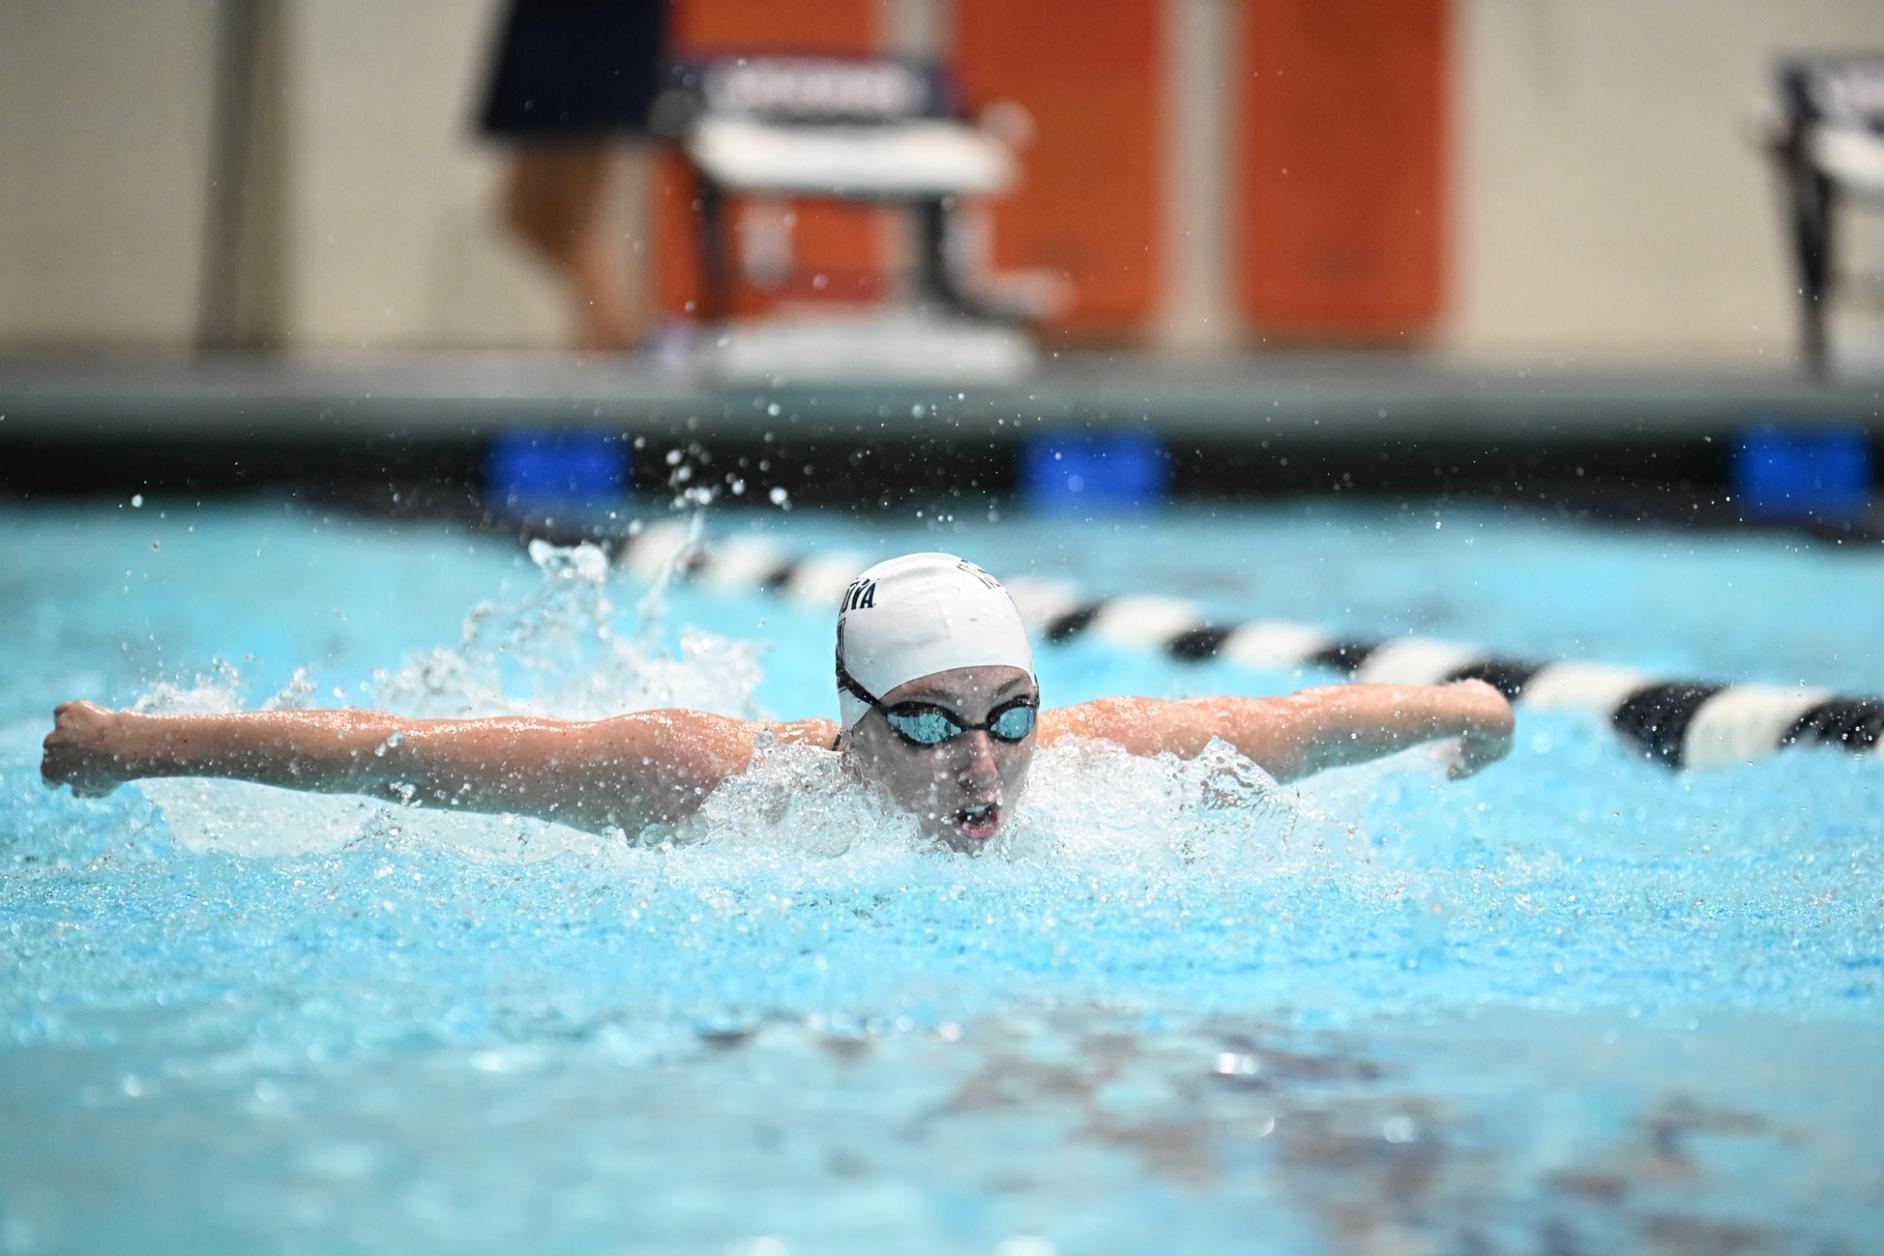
{"points": [[1095, 1129]]}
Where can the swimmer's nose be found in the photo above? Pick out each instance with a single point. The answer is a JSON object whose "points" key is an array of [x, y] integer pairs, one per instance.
{"points": [[980, 768]]}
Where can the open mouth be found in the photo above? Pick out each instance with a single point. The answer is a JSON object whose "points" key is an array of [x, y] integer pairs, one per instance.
{"points": [[978, 823]]}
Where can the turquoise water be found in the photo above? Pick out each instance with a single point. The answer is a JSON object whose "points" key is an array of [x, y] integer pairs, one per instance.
{"points": [[1577, 1003]]}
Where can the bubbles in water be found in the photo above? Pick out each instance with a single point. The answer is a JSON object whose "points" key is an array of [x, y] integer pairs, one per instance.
{"points": [[1093, 801], [803, 799], [218, 690], [296, 695]]}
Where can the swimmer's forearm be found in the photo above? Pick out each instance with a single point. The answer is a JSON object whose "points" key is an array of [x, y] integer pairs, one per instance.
{"points": [[363, 752], [624, 772], [1303, 733], [1347, 724]]}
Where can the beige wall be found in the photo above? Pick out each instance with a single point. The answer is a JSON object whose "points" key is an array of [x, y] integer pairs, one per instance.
{"points": [[1607, 205], [104, 159], [391, 226], [1607, 201], [369, 223]]}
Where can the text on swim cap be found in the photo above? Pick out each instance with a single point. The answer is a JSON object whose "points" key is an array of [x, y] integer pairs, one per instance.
{"points": [[861, 595]]}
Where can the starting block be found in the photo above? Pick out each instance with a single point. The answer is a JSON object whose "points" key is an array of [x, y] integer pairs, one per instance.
{"points": [[1828, 147], [871, 130]]}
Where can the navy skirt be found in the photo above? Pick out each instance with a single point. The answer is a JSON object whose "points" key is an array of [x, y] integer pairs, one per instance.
{"points": [[574, 69]]}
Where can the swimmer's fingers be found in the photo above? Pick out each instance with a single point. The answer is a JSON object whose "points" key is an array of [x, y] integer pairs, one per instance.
{"points": [[1476, 751], [82, 790], [1486, 716], [75, 751]]}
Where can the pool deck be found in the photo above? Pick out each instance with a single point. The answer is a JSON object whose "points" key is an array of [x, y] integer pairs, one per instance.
{"points": [[1332, 397], [1261, 423]]}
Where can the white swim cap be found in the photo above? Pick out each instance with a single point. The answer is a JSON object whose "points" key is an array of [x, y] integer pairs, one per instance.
{"points": [[921, 614]]}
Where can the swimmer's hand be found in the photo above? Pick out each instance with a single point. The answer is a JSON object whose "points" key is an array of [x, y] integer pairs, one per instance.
{"points": [[81, 750], [1487, 737]]}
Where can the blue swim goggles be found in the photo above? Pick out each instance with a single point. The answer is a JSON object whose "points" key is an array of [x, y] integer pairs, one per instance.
{"points": [[927, 725]]}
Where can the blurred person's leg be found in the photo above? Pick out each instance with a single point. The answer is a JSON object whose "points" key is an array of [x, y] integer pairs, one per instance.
{"points": [[556, 199], [571, 85]]}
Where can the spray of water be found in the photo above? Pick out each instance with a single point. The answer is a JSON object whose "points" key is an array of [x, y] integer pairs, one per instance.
{"points": [[564, 651]]}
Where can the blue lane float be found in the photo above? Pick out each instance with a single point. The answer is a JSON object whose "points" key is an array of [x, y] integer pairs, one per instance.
{"points": [[1067, 471], [557, 468], [1818, 476]]}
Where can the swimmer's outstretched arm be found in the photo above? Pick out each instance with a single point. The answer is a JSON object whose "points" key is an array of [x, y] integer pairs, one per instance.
{"points": [[632, 770], [1303, 733]]}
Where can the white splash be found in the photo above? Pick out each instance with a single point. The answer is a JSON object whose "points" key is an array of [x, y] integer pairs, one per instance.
{"points": [[557, 653], [1092, 802], [561, 652]]}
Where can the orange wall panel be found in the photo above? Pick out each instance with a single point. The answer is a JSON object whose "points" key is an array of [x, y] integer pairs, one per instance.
{"points": [[1340, 179], [809, 26], [1089, 203]]}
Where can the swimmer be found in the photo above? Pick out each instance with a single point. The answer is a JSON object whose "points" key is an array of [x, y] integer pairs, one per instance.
{"points": [[938, 707]]}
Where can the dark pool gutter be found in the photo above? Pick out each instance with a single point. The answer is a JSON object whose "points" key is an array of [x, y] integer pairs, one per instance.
{"points": [[1252, 427]]}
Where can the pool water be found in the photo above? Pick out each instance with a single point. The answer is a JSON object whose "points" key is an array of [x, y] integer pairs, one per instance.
{"points": [[1577, 1003]]}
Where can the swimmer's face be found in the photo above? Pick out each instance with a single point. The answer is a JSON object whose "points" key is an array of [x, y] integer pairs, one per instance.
{"points": [[961, 789]]}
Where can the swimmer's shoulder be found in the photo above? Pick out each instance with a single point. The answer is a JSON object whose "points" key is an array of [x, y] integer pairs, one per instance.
{"points": [[1100, 717], [691, 753], [819, 733], [1138, 725]]}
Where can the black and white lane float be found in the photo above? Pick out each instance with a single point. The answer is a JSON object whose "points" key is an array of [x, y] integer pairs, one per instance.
{"points": [[1681, 723]]}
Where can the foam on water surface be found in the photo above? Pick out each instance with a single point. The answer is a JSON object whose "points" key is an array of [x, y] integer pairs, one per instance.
{"points": [[1577, 1000]]}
